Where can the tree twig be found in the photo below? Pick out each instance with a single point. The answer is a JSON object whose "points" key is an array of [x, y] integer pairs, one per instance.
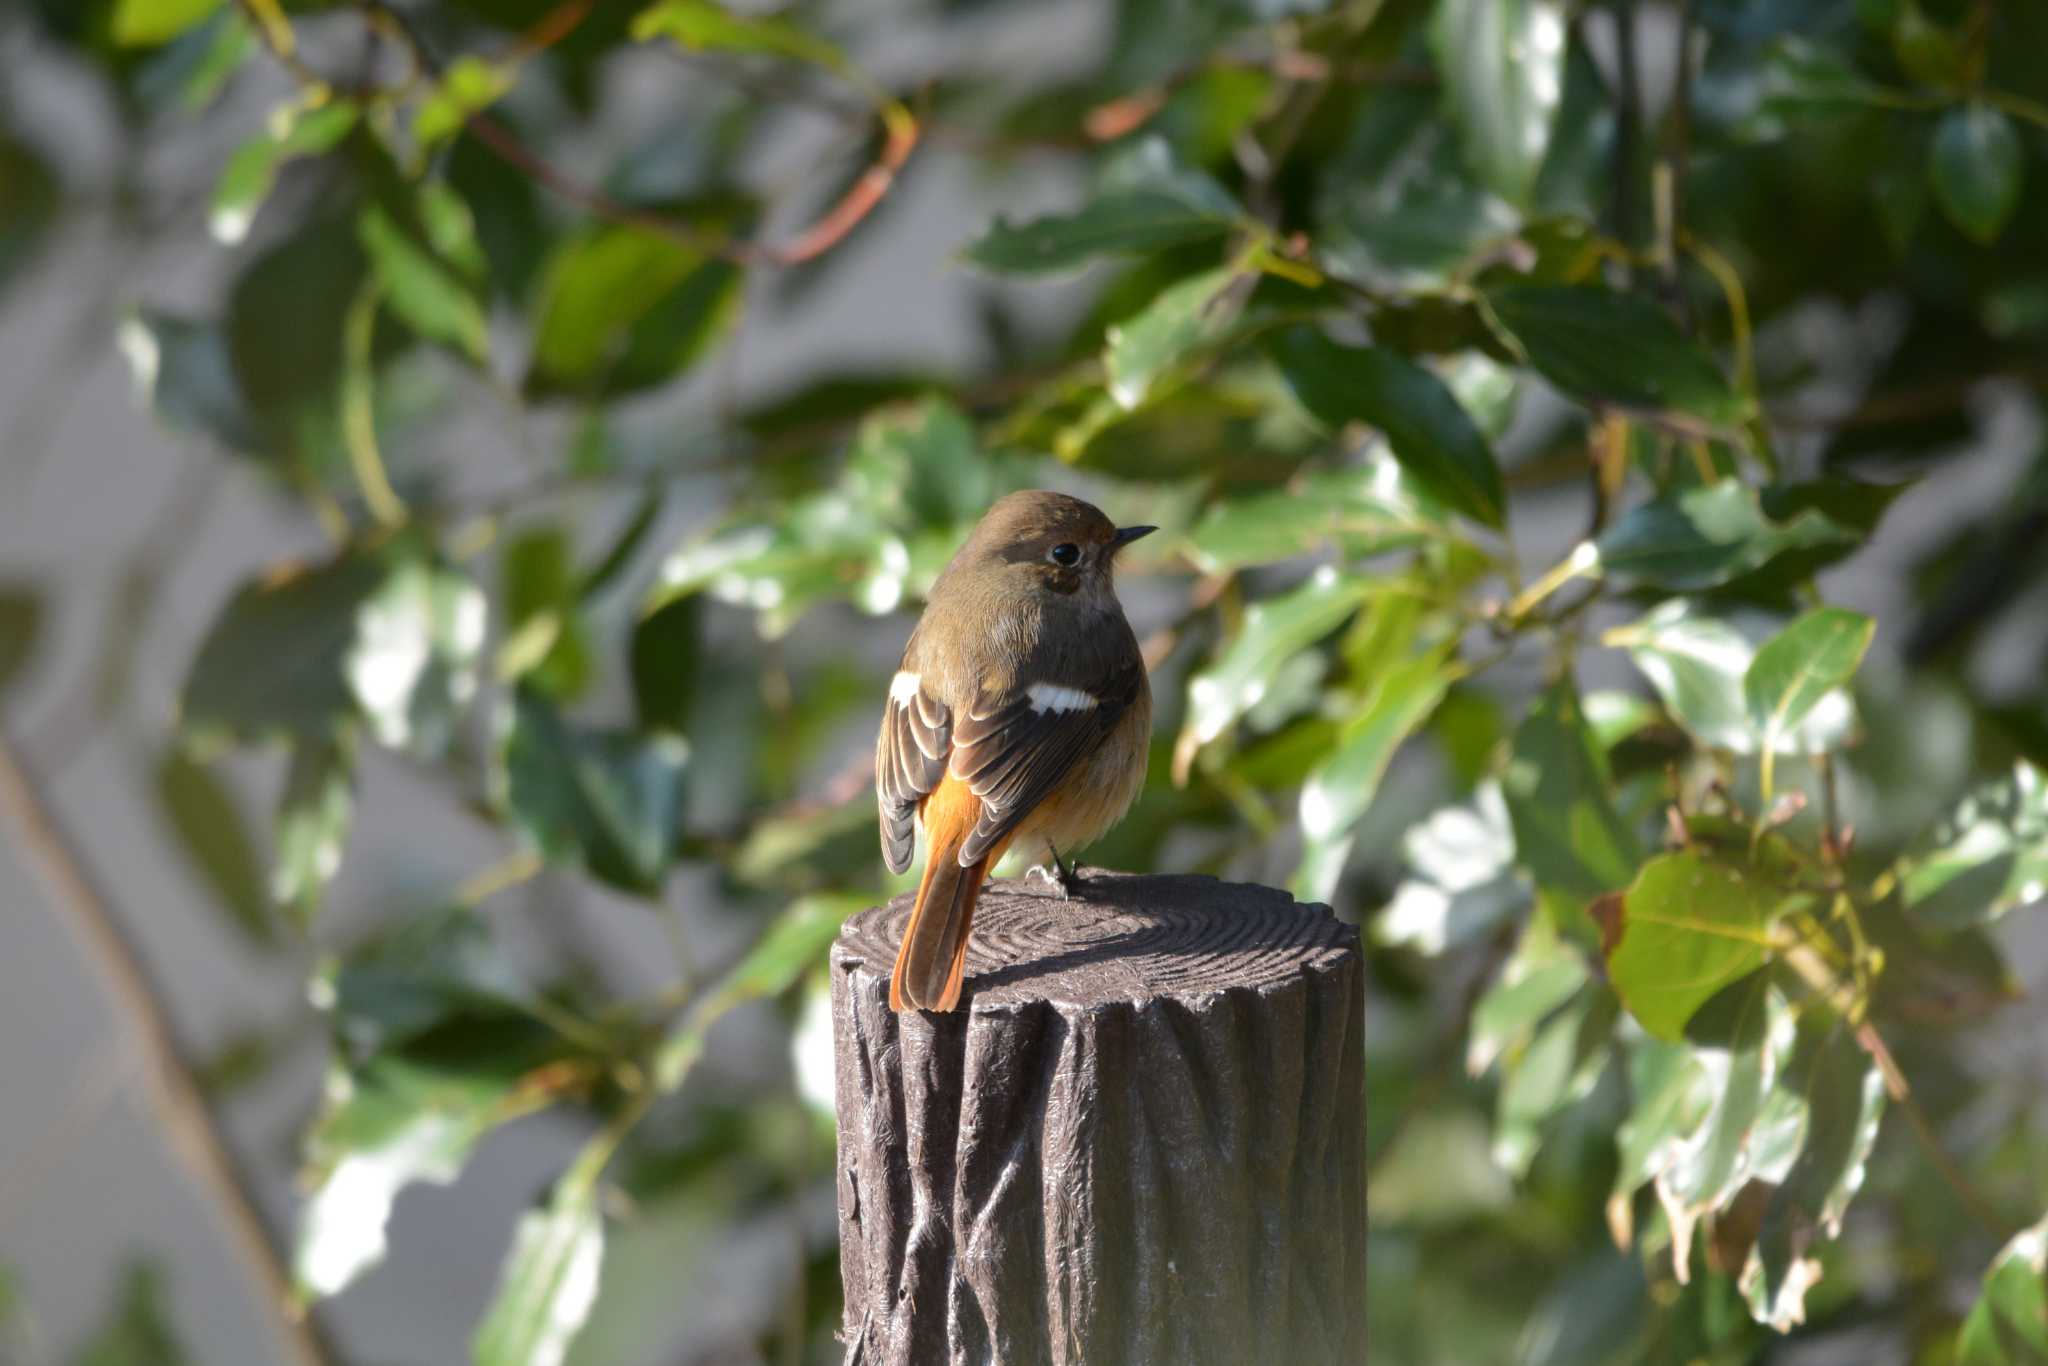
{"points": [[1895, 1083], [180, 1103]]}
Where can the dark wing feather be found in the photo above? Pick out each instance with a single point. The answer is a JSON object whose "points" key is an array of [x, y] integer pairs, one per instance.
{"points": [[1012, 756], [910, 759]]}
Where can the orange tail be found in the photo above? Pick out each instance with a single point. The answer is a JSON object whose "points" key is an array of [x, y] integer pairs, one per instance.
{"points": [[933, 958]]}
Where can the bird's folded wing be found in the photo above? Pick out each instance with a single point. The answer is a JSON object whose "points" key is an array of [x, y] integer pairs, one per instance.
{"points": [[1012, 749], [910, 759]]}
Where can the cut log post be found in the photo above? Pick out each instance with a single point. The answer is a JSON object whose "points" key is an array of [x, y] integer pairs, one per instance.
{"points": [[1140, 1140]]}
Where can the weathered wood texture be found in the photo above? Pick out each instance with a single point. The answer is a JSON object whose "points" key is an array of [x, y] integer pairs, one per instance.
{"points": [[1138, 1142]]}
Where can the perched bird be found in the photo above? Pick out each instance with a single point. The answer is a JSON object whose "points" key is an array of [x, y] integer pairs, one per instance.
{"points": [[1020, 715]]}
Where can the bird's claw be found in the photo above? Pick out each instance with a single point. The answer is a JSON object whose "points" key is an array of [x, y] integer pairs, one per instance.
{"points": [[1064, 877]]}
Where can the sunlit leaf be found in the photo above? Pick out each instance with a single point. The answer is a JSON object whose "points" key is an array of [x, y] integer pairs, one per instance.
{"points": [[1463, 881], [1699, 665], [1540, 976], [1702, 537], [1801, 666], [608, 800], [1556, 1070], [1608, 347], [1183, 319], [1977, 168], [421, 287], [251, 173], [2008, 1326], [1689, 926], [1273, 631], [701, 25], [314, 814], [146, 23], [1503, 78], [1986, 855], [413, 664], [548, 1283], [546, 642], [1356, 509], [469, 86], [1559, 795], [1426, 427]]}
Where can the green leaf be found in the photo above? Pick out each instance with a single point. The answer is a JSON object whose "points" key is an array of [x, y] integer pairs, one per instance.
{"points": [[610, 801], [1557, 1070], [30, 195], [1352, 508], [1272, 633], [141, 1332], [1463, 883], [545, 640], [1801, 665], [150, 23], [1844, 1097], [702, 25], [1132, 223], [314, 814], [214, 838], [1558, 792], [1184, 318], [422, 288], [1426, 427], [251, 173], [1986, 855], [419, 976], [1702, 537], [1600, 346], [1502, 63], [1977, 166], [21, 626], [625, 308], [548, 1283], [390, 1123], [184, 374], [1540, 976], [1699, 665], [665, 655], [1338, 792], [918, 466], [413, 665], [1689, 926], [2008, 1326], [469, 86]]}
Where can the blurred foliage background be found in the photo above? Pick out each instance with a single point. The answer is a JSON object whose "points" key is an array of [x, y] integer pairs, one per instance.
{"points": [[1599, 447]]}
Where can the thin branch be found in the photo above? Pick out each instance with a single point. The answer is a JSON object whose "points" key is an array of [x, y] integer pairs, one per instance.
{"points": [[1895, 1083], [180, 1103]]}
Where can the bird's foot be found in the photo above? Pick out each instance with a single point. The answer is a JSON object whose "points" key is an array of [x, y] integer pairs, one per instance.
{"points": [[1064, 877]]}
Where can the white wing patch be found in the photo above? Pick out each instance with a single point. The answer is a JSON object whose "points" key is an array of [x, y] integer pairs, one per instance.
{"points": [[1055, 698], [903, 688]]}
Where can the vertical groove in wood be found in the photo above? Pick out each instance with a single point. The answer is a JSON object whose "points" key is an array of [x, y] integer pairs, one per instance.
{"points": [[1140, 1140]]}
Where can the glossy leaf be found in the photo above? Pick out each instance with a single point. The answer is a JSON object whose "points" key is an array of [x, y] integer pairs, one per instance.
{"points": [[469, 86], [1121, 224], [413, 664], [1689, 926], [1699, 665], [548, 1284], [546, 642], [918, 465], [213, 836], [314, 814], [1184, 318], [1703, 537], [1559, 797], [1800, 667], [1462, 881], [1986, 855], [184, 374], [2008, 1326], [610, 801], [703, 25], [1977, 168], [1355, 509], [424, 289], [625, 308], [147, 23], [1503, 78], [419, 976], [1604, 347], [1273, 631], [1337, 794], [1539, 977], [1426, 427], [1557, 1070], [252, 172]]}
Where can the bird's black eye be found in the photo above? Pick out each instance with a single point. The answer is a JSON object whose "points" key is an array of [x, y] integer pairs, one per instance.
{"points": [[1066, 552]]}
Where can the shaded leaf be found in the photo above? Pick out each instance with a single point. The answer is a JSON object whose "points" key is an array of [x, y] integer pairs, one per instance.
{"points": [[423, 288], [1426, 427], [30, 193], [1540, 976], [1977, 166], [666, 649], [469, 86], [314, 814], [1130, 223], [1690, 926], [141, 1332], [1355, 508], [185, 375], [1604, 347], [214, 838], [918, 465], [608, 800], [1503, 73], [2008, 1326], [21, 628], [625, 308], [1556, 784], [548, 1283], [418, 976], [1557, 1070], [1986, 855], [147, 23], [545, 640], [1185, 317], [1702, 537], [702, 25]]}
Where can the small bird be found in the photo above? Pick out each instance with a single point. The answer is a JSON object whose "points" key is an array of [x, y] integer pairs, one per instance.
{"points": [[1019, 715]]}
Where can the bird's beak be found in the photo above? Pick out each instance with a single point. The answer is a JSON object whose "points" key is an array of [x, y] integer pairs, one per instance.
{"points": [[1125, 535]]}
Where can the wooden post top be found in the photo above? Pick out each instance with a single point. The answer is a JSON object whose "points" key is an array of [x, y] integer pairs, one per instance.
{"points": [[1123, 937]]}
